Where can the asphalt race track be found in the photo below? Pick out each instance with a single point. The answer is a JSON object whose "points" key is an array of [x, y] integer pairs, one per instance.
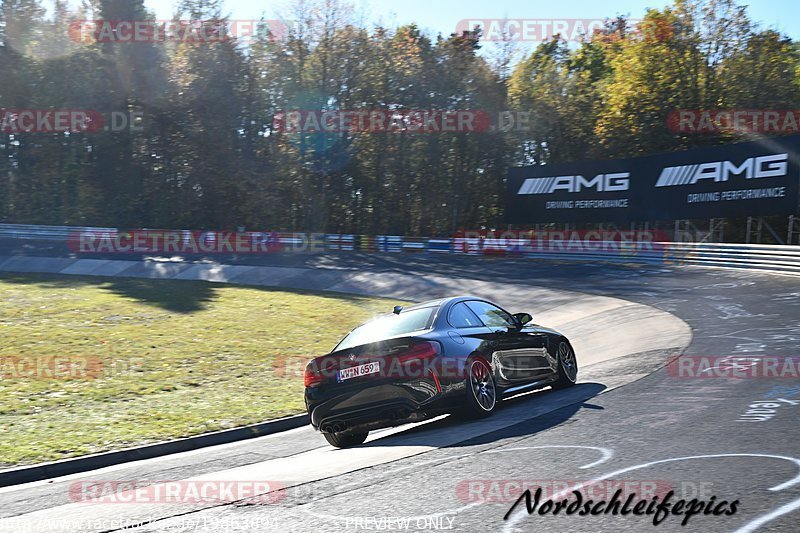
{"points": [[630, 420]]}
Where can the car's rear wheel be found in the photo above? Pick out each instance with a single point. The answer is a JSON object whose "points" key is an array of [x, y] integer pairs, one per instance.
{"points": [[567, 366], [345, 440], [481, 389]]}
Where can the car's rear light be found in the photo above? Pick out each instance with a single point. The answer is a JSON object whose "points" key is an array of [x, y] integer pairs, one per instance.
{"points": [[317, 370], [419, 352], [418, 361], [312, 376]]}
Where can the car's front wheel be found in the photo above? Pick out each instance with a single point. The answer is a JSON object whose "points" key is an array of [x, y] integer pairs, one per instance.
{"points": [[481, 389], [567, 366], [345, 440]]}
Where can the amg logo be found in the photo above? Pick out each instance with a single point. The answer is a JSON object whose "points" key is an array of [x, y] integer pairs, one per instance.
{"points": [[601, 183], [767, 166]]}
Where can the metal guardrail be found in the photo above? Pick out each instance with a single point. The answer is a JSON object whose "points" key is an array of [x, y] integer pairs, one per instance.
{"points": [[780, 259], [40, 233]]}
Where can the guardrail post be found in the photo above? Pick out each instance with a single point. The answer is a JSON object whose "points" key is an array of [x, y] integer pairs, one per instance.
{"points": [[749, 230], [682, 227], [716, 231], [759, 230]]}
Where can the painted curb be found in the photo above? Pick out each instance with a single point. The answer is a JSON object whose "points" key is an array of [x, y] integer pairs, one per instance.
{"points": [[39, 472]]}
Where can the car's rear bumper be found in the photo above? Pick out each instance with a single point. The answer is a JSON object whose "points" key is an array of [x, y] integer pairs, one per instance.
{"points": [[332, 408]]}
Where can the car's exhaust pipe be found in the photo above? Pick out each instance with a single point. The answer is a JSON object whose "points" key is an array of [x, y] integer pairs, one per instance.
{"points": [[333, 427]]}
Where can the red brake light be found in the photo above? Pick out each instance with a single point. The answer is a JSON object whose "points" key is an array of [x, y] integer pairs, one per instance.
{"points": [[312, 376], [316, 371], [421, 351]]}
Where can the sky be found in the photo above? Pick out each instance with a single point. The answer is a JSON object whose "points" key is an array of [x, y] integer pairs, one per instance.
{"points": [[443, 16], [451, 16]]}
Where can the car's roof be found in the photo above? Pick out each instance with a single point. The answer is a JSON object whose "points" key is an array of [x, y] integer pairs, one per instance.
{"points": [[441, 302], [434, 305], [429, 303]]}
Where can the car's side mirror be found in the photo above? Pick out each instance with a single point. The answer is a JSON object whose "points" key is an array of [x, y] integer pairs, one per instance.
{"points": [[523, 318]]}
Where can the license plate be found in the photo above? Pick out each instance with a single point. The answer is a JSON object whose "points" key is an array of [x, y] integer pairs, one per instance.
{"points": [[358, 371]]}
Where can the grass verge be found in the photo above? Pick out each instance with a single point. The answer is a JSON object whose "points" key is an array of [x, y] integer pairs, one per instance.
{"points": [[136, 361]]}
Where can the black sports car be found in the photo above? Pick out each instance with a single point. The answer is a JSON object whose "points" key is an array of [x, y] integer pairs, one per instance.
{"points": [[456, 355]]}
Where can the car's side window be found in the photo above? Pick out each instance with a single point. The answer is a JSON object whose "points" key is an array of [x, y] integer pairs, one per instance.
{"points": [[461, 317], [492, 316]]}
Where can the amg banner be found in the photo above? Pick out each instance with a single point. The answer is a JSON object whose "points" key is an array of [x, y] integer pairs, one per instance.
{"points": [[747, 179]]}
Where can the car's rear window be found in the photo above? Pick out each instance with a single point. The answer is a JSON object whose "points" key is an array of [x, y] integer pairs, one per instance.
{"points": [[389, 326]]}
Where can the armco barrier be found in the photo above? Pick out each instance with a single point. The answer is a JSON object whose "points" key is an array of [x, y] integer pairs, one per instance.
{"points": [[391, 243], [777, 259], [439, 246], [781, 259], [344, 243], [43, 233], [415, 244], [367, 243]]}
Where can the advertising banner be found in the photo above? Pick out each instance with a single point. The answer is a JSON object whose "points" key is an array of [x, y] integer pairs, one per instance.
{"points": [[747, 179]]}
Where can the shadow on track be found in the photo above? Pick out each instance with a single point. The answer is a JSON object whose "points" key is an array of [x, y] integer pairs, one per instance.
{"points": [[519, 416]]}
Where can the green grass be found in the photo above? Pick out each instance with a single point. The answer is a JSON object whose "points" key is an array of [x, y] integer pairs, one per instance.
{"points": [[179, 358]]}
